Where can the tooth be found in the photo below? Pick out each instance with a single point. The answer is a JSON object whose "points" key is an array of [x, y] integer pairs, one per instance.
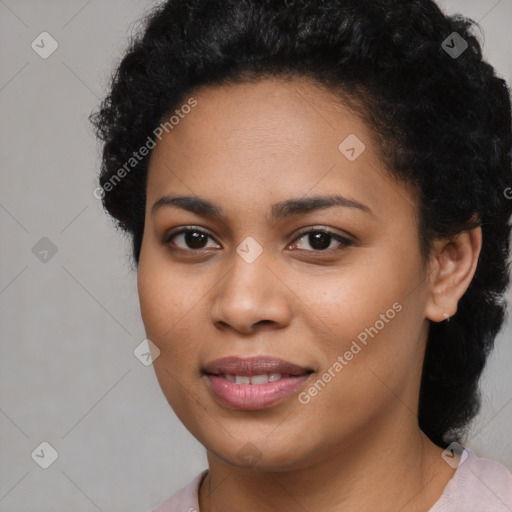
{"points": [[230, 378], [259, 379], [242, 379], [273, 377]]}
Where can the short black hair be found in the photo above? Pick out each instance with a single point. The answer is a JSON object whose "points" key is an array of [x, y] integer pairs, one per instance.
{"points": [[440, 113]]}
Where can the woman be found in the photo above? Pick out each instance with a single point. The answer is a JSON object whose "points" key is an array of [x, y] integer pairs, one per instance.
{"points": [[316, 194]]}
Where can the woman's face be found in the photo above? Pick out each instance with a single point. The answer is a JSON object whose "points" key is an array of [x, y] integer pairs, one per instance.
{"points": [[333, 286]]}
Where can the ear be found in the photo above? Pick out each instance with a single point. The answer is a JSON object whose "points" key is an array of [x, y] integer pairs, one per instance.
{"points": [[452, 267]]}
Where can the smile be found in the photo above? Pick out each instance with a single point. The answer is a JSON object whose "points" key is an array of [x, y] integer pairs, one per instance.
{"points": [[253, 383]]}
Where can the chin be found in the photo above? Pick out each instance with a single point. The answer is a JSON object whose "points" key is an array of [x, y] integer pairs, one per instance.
{"points": [[261, 453]]}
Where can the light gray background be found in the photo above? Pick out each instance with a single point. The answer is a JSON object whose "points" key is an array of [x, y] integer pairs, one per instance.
{"points": [[68, 327]]}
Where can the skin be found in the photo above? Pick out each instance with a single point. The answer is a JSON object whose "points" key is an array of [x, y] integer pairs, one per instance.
{"points": [[356, 445]]}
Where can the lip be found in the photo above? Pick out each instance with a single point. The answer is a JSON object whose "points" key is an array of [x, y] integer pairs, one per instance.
{"points": [[253, 396], [254, 366]]}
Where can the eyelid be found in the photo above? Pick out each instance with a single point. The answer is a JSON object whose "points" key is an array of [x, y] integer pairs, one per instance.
{"points": [[329, 231], [344, 240], [184, 229]]}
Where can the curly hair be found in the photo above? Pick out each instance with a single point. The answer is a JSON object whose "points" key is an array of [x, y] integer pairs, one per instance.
{"points": [[442, 122]]}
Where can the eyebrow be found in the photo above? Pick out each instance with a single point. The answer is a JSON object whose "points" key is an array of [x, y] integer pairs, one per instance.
{"points": [[279, 210]]}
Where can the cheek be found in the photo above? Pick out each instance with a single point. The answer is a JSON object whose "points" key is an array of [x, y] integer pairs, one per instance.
{"points": [[169, 305], [171, 302], [370, 319], [345, 303], [167, 298], [361, 380]]}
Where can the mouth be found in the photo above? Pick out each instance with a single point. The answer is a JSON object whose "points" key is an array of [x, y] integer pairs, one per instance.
{"points": [[253, 383]]}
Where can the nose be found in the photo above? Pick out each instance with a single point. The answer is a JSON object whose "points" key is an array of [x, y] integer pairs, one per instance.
{"points": [[251, 297]]}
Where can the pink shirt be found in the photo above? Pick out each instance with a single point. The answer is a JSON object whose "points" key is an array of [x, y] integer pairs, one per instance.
{"points": [[478, 485]]}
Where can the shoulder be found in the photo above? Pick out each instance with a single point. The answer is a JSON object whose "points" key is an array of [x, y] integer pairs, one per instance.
{"points": [[477, 484], [184, 500]]}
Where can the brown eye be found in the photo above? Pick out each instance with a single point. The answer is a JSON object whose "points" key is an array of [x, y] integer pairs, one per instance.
{"points": [[190, 238], [320, 240]]}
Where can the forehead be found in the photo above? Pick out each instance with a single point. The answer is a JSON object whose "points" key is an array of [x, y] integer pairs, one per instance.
{"points": [[269, 140]]}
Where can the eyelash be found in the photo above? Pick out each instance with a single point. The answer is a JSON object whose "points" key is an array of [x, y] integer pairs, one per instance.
{"points": [[345, 242]]}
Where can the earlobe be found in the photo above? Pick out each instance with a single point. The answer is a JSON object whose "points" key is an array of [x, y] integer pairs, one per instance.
{"points": [[453, 265]]}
